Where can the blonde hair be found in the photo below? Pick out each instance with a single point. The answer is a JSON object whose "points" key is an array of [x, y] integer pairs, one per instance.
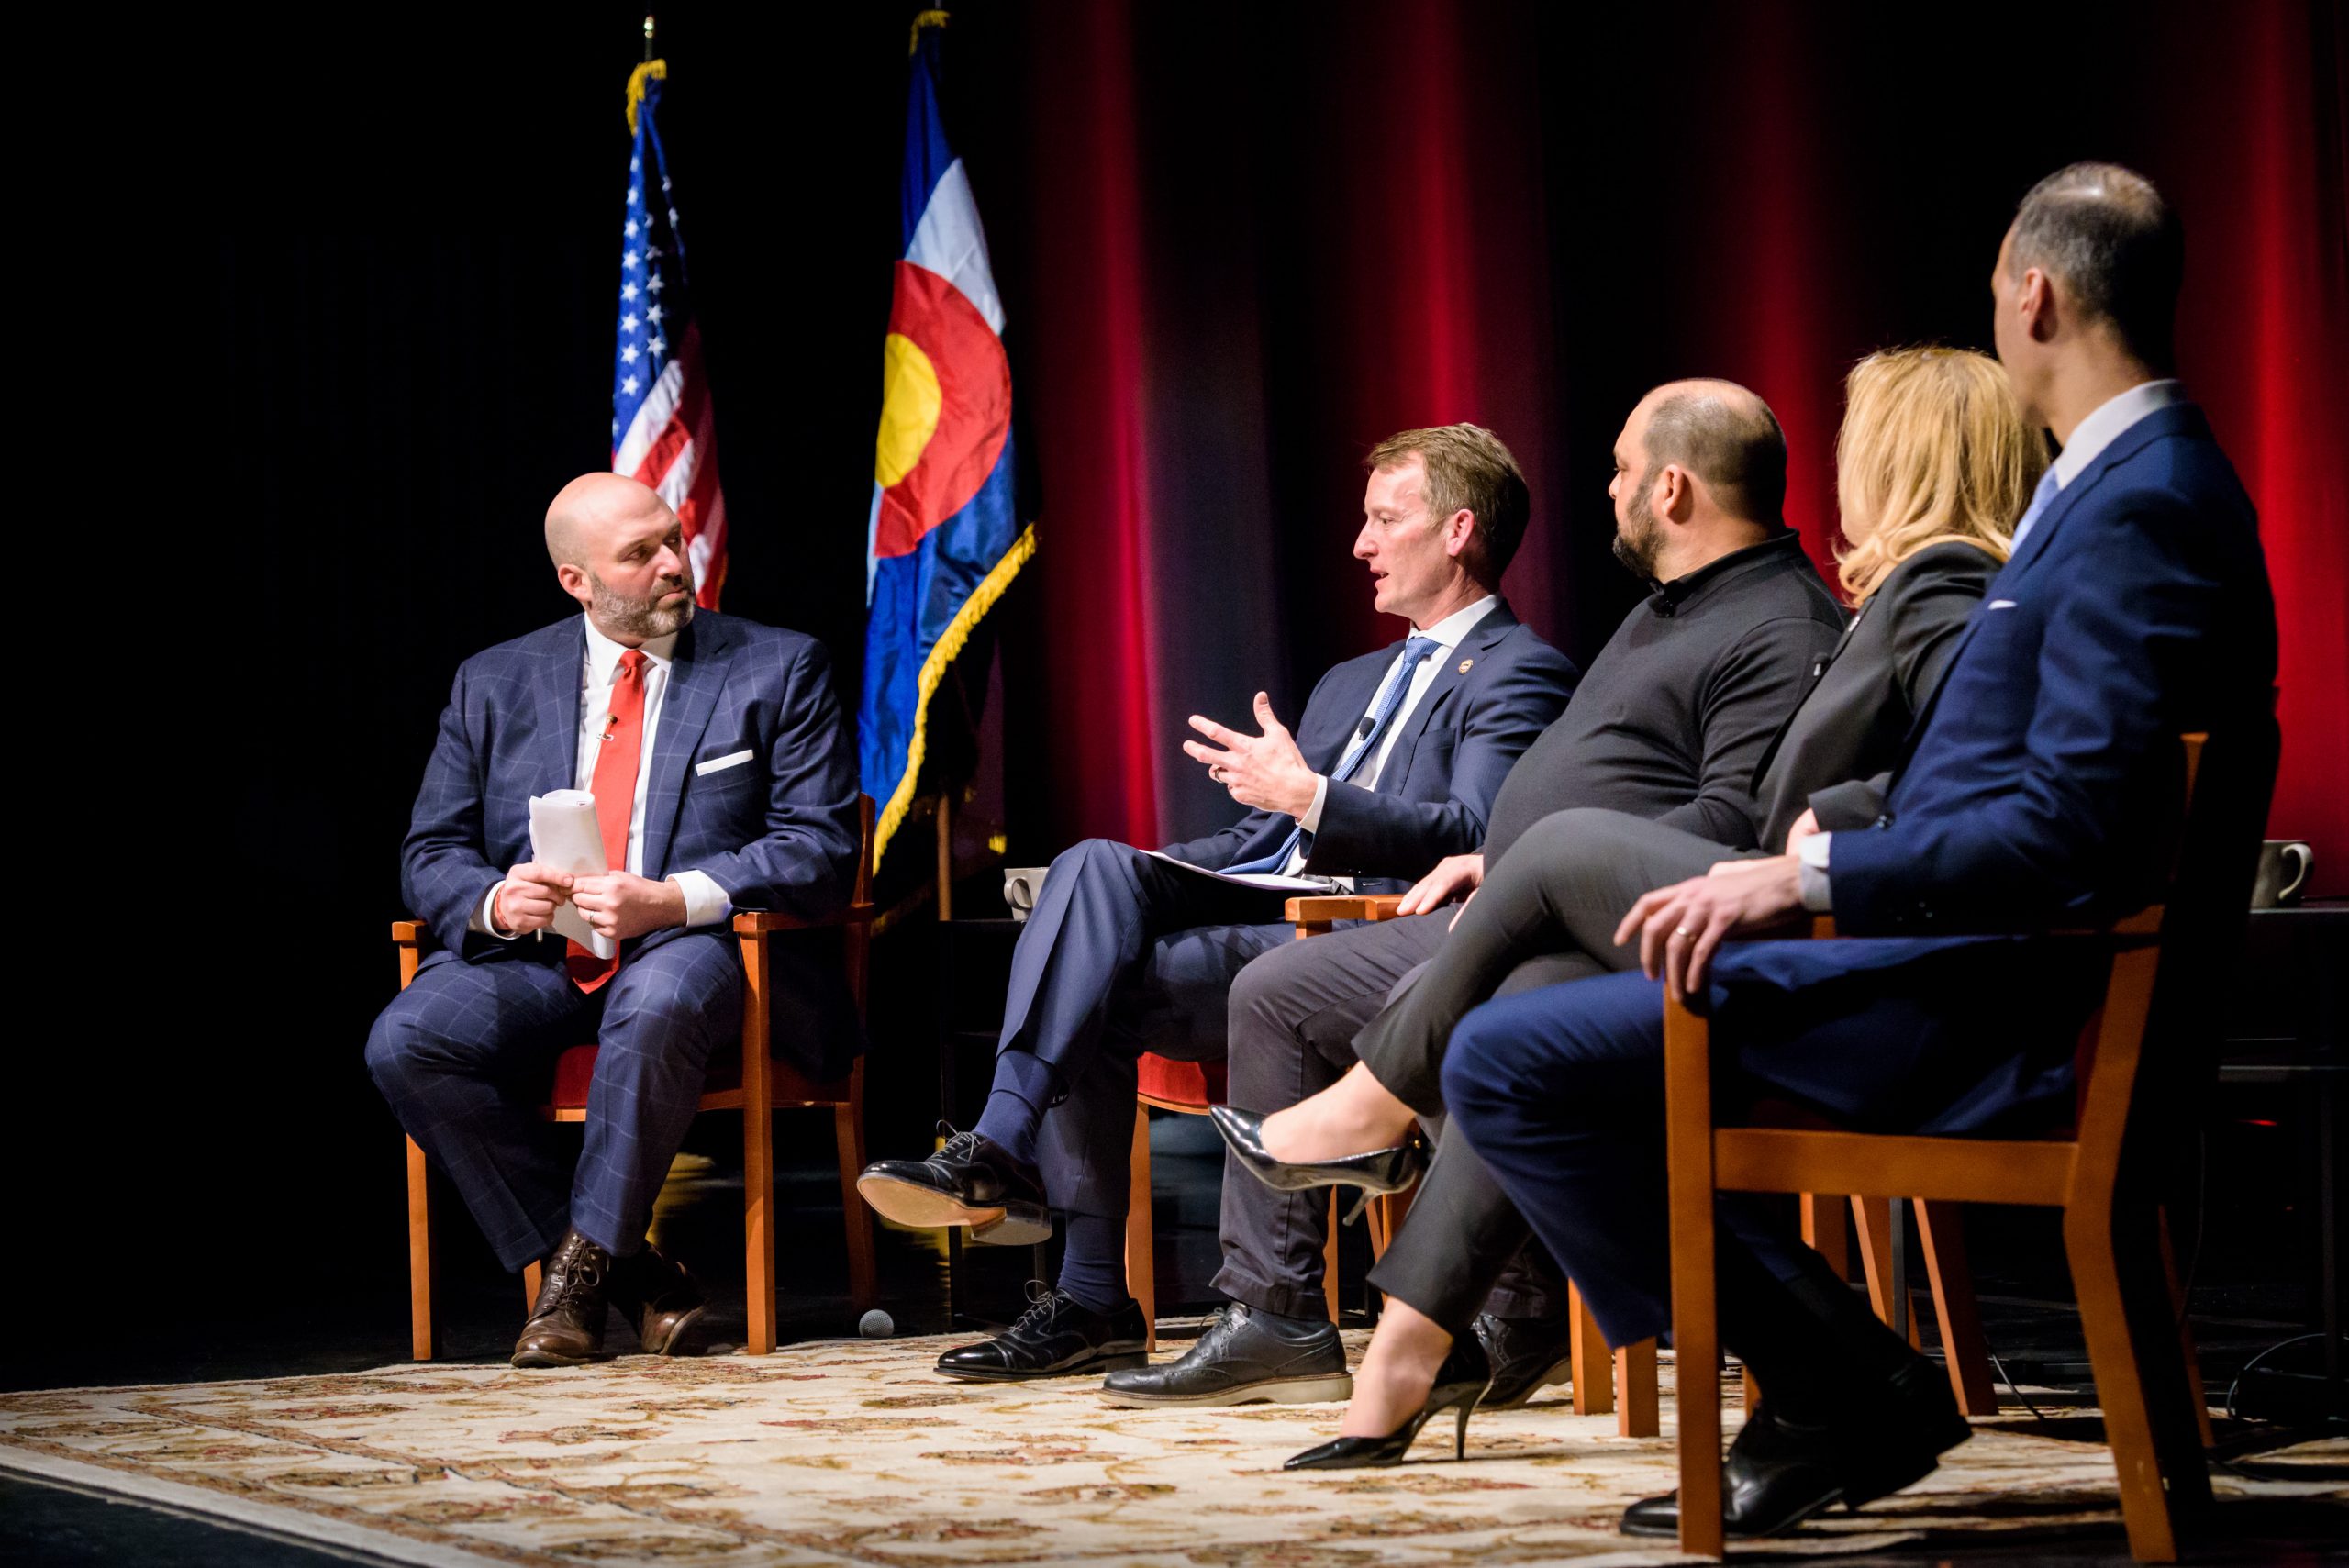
{"points": [[1933, 451]]}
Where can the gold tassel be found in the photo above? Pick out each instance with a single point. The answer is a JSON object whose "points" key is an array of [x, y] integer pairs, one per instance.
{"points": [[651, 70]]}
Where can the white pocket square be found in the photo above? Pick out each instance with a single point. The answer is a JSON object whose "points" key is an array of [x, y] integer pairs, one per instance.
{"points": [[719, 765], [1999, 605]]}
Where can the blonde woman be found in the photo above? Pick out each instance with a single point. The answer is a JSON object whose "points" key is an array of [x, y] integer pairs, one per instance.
{"points": [[1934, 465]]}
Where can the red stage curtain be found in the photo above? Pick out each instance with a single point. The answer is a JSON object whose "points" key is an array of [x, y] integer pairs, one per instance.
{"points": [[1257, 239]]}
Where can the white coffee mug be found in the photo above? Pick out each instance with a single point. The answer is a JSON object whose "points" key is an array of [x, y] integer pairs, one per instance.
{"points": [[2284, 866]]}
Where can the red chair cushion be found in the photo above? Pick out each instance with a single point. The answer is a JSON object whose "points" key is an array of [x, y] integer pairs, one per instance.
{"points": [[575, 1070], [1187, 1085]]}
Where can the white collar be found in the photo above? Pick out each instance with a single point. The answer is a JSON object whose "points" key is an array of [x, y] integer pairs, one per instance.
{"points": [[1447, 632], [604, 654], [2110, 417]]}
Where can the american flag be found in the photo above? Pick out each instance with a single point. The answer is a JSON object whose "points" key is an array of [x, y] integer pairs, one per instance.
{"points": [[662, 432]]}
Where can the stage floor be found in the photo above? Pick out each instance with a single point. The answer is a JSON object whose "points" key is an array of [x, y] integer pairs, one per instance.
{"points": [[853, 1452]]}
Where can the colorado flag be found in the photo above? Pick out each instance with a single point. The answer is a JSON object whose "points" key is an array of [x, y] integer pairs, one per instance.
{"points": [[945, 536]]}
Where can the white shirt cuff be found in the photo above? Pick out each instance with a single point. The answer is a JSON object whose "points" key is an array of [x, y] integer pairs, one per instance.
{"points": [[1311, 820], [706, 903], [1813, 852], [484, 918]]}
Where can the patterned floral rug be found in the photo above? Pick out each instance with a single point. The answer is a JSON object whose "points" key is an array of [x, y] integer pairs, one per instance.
{"points": [[840, 1453]]}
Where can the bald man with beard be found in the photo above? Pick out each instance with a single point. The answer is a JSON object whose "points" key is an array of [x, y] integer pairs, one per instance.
{"points": [[723, 780]]}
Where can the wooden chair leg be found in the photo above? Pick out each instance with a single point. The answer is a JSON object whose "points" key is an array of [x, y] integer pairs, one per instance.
{"points": [[1594, 1389], [1385, 1216], [757, 1225], [1638, 1408], [1695, 1329], [1329, 1254], [531, 1274], [424, 1337], [2185, 1336], [847, 1136], [1141, 1242], [1825, 1232], [1940, 1228], [2120, 1386], [1873, 1216]]}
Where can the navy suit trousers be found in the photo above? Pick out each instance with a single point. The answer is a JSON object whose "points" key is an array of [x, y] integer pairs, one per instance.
{"points": [[464, 1057], [1561, 1090], [1124, 954]]}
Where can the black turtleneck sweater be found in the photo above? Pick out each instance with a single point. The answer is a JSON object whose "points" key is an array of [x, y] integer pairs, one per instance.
{"points": [[1673, 715]]}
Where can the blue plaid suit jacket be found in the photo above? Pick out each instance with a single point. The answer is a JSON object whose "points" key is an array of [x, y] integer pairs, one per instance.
{"points": [[778, 832]]}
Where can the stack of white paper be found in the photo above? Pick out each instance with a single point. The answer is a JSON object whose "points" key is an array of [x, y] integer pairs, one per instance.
{"points": [[565, 835]]}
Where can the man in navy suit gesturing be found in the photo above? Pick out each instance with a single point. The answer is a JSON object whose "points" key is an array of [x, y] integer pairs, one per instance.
{"points": [[714, 748], [2135, 607], [1393, 765]]}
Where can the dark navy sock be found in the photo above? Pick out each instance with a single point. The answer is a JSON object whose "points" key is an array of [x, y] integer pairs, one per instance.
{"points": [[1093, 1269], [1024, 1086]]}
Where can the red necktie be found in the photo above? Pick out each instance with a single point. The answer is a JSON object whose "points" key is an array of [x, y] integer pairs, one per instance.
{"points": [[613, 786]]}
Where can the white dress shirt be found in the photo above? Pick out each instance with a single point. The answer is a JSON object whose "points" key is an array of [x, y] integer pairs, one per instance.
{"points": [[2104, 426], [705, 901], [1446, 635]]}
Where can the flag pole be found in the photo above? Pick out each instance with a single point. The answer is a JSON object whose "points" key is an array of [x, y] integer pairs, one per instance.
{"points": [[648, 39]]}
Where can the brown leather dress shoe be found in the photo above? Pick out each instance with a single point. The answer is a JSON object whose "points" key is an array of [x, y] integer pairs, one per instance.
{"points": [[566, 1326], [661, 1296]]}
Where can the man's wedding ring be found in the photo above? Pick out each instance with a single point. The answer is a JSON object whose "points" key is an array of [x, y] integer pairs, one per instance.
{"points": [[1680, 931]]}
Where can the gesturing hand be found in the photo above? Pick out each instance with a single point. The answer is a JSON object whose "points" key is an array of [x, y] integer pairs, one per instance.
{"points": [[621, 904], [529, 898], [1679, 927], [1453, 875], [1263, 770]]}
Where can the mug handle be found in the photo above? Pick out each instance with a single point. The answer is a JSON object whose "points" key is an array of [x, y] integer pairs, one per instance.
{"points": [[2305, 858]]}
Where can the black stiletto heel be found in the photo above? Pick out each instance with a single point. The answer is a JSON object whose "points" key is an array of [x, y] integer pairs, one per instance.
{"points": [[1459, 1381], [1388, 1170]]}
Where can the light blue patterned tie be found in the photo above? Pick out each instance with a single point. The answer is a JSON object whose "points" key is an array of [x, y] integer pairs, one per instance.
{"points": [[1390, 697], [2041, 499]]}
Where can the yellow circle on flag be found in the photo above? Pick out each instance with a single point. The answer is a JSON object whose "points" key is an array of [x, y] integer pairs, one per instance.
{"points": [[908, 408]]}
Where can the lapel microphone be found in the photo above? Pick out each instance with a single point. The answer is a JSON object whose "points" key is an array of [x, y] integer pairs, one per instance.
{"points": [[611, 726]]}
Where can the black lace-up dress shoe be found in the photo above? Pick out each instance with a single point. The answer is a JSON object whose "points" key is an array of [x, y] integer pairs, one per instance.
{"points": [[1528, 1355], [1057, 1337], [1779, 1473], [971, 1181], [566, 1326], [1244, 1357], [1379, 1171]]}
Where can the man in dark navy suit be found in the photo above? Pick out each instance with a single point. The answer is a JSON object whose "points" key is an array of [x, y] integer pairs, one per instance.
{"points": [[1393, 766], [714, 748], [2135, 607]]}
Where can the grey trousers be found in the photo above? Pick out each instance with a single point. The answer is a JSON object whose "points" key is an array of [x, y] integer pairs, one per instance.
{"points": [[1294, 1013], [1546, 914]]}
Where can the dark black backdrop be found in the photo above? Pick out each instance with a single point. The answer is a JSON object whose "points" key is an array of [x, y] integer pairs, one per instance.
{"points": [[380, 271]]}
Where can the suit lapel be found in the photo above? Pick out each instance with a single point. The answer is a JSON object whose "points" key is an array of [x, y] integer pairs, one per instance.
{"points": [[554, 761], [1818, 673], [695, 676], [1456, 664]]}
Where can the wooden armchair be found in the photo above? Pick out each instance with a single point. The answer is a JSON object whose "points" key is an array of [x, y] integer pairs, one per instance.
{"points": [[753, 1083], [2129, 1099]]}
